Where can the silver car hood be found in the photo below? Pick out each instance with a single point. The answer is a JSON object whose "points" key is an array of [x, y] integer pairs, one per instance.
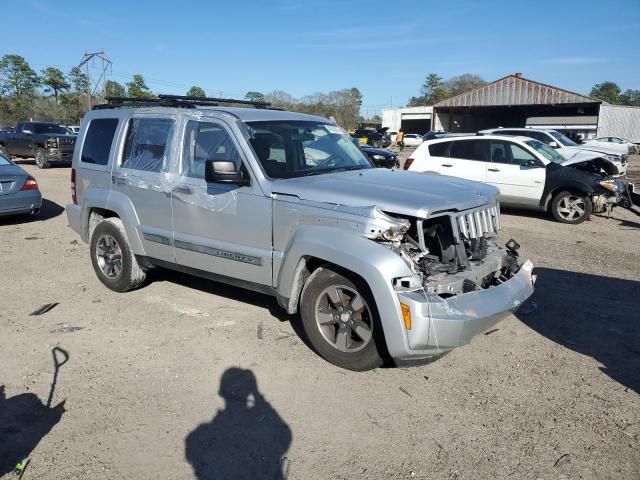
{"points": [[582, 156], [405, 193]]}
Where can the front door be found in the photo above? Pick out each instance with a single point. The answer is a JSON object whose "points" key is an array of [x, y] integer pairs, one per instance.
{"points": [[219, 228], [140, 178], [22, 143], [511, 170]]}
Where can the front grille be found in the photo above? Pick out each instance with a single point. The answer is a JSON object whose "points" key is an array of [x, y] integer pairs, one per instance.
{"points": [[66, 141], [475, 223]]}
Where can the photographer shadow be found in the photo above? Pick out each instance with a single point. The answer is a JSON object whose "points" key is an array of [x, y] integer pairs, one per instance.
{"points": [[247, 439]]}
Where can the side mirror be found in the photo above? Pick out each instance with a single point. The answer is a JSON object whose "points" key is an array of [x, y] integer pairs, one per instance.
{"points": [[224, 171], [554, 145], [27, 132], [533, 164]]}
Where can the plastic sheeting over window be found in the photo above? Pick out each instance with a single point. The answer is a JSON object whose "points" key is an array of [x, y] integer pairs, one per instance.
{"points": [[146, 143], [206, 141]]}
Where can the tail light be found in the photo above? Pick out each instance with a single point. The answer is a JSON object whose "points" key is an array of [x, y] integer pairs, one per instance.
{"points": [[74, 199], [407, 163], [30, 184]]}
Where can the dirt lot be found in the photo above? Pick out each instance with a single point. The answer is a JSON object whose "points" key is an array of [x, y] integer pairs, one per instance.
{"points": [[553, 393]]}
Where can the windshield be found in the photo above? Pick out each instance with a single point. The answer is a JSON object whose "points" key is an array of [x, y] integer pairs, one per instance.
{"points": [[49, 128], [288, 149], [566, 141], [546, 151]]}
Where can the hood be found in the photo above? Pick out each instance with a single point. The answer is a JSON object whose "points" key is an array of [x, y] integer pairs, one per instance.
{"points": [[594, 149], [377, 151], [404, 193], [581, 157], [59, 135]]}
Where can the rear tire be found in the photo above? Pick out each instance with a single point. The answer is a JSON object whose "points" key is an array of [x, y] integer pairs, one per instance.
{"points": [[345, 331], [571, 207], [112, 259], [41, 159]]}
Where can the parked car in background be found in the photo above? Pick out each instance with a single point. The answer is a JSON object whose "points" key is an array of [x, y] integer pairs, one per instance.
{"points": [[44, 141], [441, 134], [374, 261], [412, 139], [528, 173], [376, 138], [19, 191], [378, 156], [564, 145], [624, 146]]}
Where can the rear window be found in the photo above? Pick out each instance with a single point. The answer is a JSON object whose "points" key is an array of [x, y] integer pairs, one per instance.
{"points": [[439, 149], [97, 141], [469, 150], [146, 143]]}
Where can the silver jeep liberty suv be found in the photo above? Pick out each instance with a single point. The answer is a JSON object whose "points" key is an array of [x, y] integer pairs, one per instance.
{"points": [[379, 264]]}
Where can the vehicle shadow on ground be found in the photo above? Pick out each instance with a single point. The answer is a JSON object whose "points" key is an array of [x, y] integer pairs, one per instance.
{"points": [[592, 315], [48, 210], [247, 439], [25, 420]]}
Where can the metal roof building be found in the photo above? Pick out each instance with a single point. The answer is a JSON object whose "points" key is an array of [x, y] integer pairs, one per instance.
{"points": [[513, 101]]}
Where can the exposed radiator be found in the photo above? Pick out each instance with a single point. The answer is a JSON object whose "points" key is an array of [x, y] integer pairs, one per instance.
{"points": [[475, 223]]}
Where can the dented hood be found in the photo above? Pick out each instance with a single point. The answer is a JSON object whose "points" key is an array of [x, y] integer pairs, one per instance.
{"points": [[588, 156], [404, 193]]}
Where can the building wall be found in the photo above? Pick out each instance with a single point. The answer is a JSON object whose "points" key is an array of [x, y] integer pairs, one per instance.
{"points": [[392, 118], [619, 121]]}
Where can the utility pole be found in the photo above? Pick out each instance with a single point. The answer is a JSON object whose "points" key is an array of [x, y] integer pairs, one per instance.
{"points": [[106, 63]]}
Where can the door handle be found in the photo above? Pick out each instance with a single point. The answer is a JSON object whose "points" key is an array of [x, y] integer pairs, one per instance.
{"points": [[186, 189], [494, 169], [447, 165], [117, 180]]}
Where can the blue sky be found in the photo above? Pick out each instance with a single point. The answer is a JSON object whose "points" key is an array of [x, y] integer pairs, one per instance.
{"points": [[383, 48]]}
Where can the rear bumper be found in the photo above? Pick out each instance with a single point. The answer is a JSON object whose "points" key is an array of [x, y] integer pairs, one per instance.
{"points": [[27, 201], [74, 217], [441, 324]]}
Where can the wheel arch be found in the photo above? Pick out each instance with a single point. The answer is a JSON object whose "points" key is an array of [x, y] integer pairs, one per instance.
{"points": [[573, 186]]}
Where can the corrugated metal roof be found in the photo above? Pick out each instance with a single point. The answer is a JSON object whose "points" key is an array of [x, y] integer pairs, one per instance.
{"points": [[515, 90]]}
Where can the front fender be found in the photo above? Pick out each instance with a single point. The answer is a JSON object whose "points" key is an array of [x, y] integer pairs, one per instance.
{"points": [[376, 264]]}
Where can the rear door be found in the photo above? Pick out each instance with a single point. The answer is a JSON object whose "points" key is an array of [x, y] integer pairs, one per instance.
{"points": [[141, 177], [467, 159], [519, 183]]}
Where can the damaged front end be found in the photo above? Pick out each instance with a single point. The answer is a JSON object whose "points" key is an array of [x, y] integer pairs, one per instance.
{"points": [[463, 281]]}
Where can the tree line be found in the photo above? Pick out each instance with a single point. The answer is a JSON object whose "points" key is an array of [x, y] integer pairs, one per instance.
{"points": [[435, 89], [53, 95]]}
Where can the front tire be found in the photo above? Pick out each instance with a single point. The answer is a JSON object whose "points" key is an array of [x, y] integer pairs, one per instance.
{"points": [[41, 159], [340, 319], [112, 259], [571, 207]]}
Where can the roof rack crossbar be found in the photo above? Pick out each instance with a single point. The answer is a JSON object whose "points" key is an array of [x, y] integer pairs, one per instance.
{"points": [[177, 101]]}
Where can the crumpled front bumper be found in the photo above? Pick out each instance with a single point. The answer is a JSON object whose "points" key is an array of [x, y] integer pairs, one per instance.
{"points": [[440, 324]]}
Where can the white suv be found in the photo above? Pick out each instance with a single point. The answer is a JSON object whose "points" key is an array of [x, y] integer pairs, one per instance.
{"points": [[528, 173], [565, 146]]}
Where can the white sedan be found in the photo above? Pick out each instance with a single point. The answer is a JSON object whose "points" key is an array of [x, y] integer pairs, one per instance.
{"points": [[619, 143], [412, 140]]}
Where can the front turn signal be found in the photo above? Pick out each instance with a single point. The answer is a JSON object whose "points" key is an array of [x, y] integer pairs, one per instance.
{"points": [[406, 315]]}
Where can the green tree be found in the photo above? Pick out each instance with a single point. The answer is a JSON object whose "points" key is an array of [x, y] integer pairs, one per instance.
{"points": [[54, 79], [630, 97], [137, 88], [254, 96], [606, 91], [79, 80], [356, 97], [196, 92], [431, 82], [17, 77], [463, 83], [114, 89]]}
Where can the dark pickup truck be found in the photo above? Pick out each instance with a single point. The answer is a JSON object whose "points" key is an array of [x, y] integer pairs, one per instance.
{"points": [[46, 142]]}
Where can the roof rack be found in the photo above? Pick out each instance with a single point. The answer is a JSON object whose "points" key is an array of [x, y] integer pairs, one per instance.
{"points": [[176, 101]]}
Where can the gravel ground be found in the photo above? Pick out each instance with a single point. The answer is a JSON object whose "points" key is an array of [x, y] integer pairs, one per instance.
{"points": [[552, 393]]}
